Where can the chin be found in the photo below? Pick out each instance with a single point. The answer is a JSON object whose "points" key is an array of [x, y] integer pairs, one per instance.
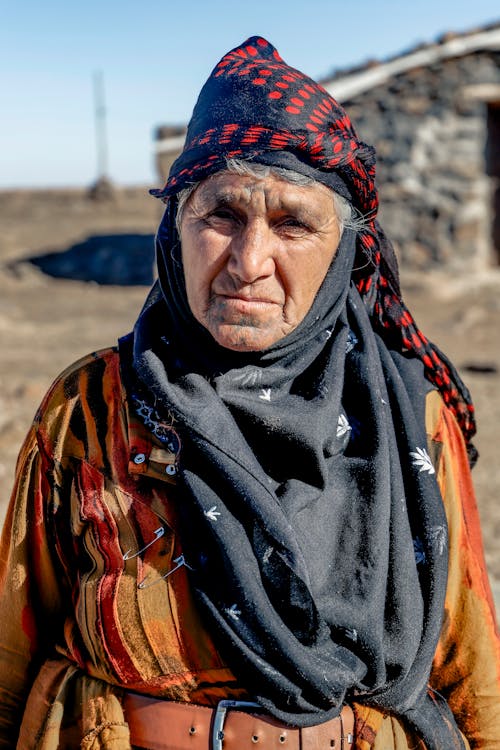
{"points": [[242, 339]]}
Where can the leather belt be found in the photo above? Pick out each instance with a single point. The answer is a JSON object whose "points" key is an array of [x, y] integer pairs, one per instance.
{"points": [[233, 725]]}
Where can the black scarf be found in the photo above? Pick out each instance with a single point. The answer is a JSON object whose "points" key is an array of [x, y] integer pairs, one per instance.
{"points": [[255, 106], [312, 517]]}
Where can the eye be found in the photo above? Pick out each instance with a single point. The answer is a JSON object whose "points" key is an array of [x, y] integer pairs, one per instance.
{"points": [[221, 218], [222, 213], [293, 225], [293, 222]]}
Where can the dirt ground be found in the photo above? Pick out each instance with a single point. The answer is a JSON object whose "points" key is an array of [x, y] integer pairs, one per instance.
{"points": [[46, 323]]}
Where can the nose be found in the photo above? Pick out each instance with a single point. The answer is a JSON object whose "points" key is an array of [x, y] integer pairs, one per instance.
{"points": [[252, 253]]}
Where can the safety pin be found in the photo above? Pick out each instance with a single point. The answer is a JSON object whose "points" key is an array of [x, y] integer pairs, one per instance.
{"points": [[157, 532], [180, 562]]}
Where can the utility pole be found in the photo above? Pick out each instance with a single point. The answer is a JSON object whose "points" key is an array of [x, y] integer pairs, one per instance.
{"points": [[102, 188], [100, 126]]}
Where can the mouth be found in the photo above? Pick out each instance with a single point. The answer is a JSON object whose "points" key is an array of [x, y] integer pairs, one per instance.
{"points": [[245, 303]]}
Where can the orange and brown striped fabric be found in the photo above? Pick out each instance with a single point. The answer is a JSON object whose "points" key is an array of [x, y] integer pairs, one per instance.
{"points": [[79, 623]]}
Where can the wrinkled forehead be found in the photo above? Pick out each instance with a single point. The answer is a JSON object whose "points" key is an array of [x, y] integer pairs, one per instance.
{"points": [[271, 191]]}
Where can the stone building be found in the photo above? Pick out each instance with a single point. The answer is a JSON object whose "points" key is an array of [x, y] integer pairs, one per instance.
{"points": [[433, 114]]}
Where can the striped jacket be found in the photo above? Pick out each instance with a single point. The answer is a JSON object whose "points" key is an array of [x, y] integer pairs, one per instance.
{"points": [[94, 594]]}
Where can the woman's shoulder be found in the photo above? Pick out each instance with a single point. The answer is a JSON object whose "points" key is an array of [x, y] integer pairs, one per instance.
{"points": [[81, 400], [446, 444], [434, 406], [440, 422], [82, 376]]}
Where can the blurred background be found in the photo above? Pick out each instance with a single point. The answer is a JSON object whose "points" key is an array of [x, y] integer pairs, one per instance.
{"points": [[95, 97], [155, 56]]}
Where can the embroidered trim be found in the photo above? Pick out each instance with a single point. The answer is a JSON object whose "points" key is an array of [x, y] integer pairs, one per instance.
{"points": [[152, 420]]}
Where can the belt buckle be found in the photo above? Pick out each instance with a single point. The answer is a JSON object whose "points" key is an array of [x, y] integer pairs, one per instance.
{"points": [[220, 718]]}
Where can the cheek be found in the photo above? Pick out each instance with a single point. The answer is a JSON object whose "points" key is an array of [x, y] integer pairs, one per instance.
{"points": [[201, 263], [312, 274], [195, 280]]}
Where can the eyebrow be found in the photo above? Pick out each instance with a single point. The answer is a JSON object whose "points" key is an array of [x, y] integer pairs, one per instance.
{"points": [[222, 196]]}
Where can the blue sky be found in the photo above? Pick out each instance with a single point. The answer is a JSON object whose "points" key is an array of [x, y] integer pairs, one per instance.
{"points": [[155, 56]]}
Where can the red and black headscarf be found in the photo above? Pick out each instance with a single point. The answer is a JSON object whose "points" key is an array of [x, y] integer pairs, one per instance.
{"points": [[254, 106]]}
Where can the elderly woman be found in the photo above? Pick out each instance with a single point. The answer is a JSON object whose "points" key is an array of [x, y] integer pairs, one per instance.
{"points": [[253, 522]]}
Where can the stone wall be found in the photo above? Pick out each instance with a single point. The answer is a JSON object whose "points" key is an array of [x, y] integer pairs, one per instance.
{"points": [[429, 126]]}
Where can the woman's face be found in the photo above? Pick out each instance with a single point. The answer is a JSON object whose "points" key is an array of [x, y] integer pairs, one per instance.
{"points": [[255, 252]]}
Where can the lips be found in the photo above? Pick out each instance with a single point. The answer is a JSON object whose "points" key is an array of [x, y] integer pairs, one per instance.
{"points": [[245, 303], [247, 297]]}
